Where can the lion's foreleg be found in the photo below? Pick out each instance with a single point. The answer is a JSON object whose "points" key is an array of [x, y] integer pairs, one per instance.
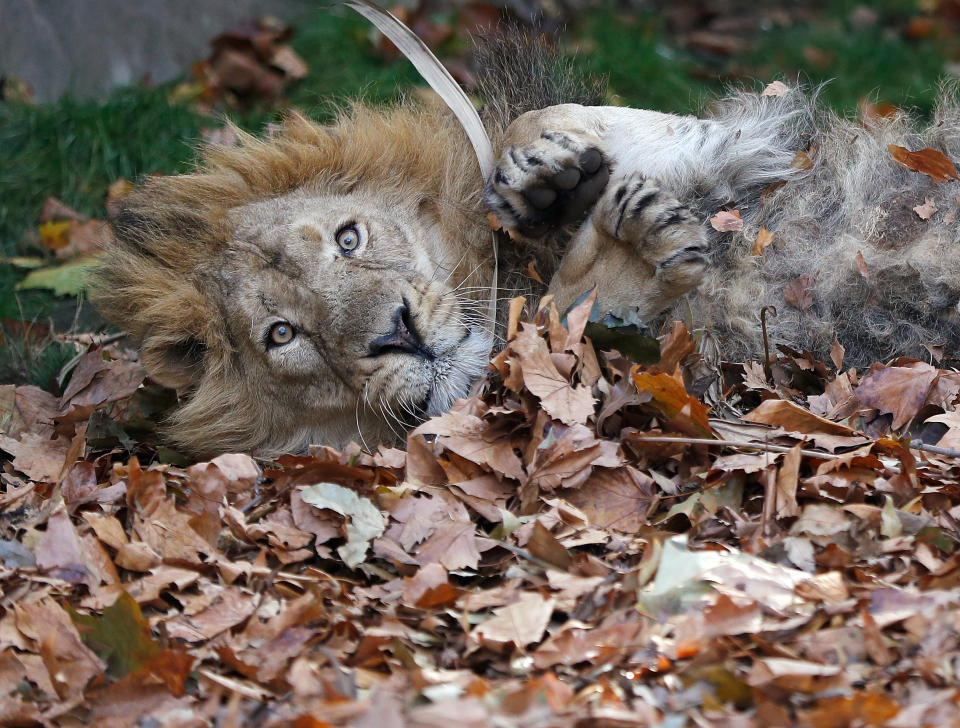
{"points": [[640, 247]]}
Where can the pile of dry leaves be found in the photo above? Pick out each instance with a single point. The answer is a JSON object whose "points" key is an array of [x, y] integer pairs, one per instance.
{"points": [[587, 544]]}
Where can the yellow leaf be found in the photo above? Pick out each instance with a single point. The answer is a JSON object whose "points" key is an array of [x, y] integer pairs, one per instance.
{"points": [[764, 238], [55, 234]]}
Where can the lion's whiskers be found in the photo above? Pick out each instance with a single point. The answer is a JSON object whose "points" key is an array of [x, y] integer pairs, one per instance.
{"points": [[362, 396]]}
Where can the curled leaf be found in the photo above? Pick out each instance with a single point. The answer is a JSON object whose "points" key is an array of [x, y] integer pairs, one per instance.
{"points": [[927, 161]]}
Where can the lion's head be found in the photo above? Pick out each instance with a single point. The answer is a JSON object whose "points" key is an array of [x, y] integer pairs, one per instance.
{"points": [[312, 287]]}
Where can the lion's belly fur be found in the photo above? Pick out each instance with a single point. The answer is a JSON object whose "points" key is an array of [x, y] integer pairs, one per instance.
{"points": [[880, 279]]}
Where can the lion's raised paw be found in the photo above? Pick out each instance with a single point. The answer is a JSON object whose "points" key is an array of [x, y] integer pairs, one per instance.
{"points": [[554, 181]]}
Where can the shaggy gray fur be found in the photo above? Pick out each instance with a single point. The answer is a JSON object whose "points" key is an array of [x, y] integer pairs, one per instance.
{"points": [[856, 199]]}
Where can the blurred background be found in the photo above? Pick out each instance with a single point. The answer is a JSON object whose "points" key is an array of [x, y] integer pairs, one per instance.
{"points": [[95, 94]]}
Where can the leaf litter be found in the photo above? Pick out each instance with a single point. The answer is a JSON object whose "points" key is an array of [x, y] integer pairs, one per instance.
{"points": [[587, 542]]}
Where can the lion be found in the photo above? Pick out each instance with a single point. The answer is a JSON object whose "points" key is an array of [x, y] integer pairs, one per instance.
{"points": [[329, 283]]}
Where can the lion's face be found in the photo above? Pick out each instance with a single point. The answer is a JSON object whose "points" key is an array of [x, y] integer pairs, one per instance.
{"points": [[323, 285], [343, 318]]}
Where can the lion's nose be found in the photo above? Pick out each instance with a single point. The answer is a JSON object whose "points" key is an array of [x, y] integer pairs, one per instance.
{"points": [[404, 338]]}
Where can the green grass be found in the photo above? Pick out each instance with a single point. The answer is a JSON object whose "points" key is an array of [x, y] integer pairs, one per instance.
{"points": [[873, 63], [73, 150], [642, 69]]}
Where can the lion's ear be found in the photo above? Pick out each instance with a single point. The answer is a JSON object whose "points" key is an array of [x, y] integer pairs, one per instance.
{"points": [[174, 361]]}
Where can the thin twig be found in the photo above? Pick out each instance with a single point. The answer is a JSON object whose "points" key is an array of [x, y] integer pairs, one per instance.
{"points": [[740, 443], [767, 372], [98, 339]]}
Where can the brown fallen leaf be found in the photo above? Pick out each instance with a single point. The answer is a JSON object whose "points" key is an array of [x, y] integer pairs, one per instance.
{"points": [[681, 410], [38, 457], [26, 409], [545, 546], [519, 624], [787, 479], [96, 381], [927, 161], [799, 293], [70, 663], [776, 88], [862, 266], [836, 354], [926, 210], [901, 391], [764, 238], [727, 221], [617, 499], [569, 404], [792, 417]]}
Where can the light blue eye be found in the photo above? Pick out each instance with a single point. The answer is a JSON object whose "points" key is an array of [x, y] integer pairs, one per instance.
{"points": [[281, 333], [348, 237]]}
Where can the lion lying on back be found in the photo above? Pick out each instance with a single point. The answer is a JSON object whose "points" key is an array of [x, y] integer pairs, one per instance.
{"points": [[323, 284]]}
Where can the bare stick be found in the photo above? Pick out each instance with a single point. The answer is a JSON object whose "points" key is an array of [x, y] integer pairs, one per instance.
{"points": [[936, 449], [770, 447]]}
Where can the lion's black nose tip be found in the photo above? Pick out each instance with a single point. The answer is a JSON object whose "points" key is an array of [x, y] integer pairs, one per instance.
{"points": [[404, 338]]}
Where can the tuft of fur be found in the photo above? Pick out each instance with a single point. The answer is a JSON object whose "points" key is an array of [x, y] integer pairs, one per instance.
{"points": [[517, 72], [855, 202]]}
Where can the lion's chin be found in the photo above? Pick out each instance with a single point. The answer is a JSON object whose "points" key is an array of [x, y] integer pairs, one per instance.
{"points": [[455, 372]]}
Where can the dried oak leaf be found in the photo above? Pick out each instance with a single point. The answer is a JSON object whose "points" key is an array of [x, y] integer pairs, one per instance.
{"points": [[764, 238], [799, 292], [901, 391], [571, 405], [926, 210], [364, 520], [681, 410], [727, 221], [926, 161], [518, 624], [781, 413]]}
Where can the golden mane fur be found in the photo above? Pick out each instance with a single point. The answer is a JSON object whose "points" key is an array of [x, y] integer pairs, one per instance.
{"points": [[173, 232]]}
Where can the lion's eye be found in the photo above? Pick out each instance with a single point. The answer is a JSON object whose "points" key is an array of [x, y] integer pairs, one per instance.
{"points": [[348, 237], [281, 333]]}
